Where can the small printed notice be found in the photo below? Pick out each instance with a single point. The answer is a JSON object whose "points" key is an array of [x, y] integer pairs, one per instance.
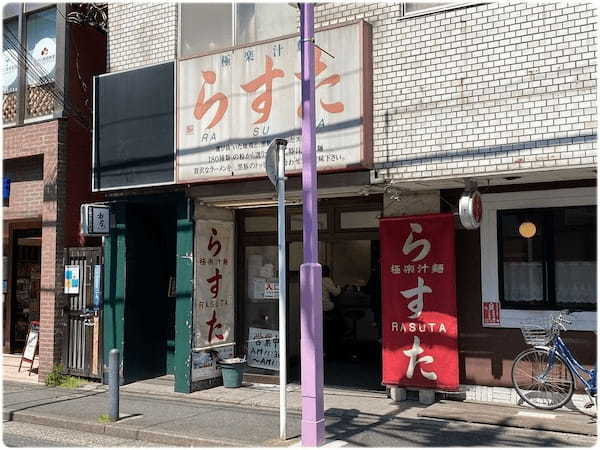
{"points": [[491, 313], [72, 279], [271, 289], [263, 348]]}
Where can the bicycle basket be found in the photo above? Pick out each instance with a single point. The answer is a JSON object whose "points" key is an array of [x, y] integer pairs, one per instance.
{"points": [[536, 334]]}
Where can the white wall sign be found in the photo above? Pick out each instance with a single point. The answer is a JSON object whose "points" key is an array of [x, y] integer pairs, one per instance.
{"points": [[214, 299], [263, 348], [232, 104], [95, 220], [72, 279]]}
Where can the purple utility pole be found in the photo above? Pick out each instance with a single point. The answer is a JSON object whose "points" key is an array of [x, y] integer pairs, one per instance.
{"points": [[311, 309]]}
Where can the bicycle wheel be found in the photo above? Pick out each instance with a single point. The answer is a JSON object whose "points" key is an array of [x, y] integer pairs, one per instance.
{"points": [[542, 390]]}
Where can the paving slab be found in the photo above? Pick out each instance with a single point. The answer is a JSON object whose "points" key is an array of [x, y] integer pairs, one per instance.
{"points": [[510, 416], [231, 417]]}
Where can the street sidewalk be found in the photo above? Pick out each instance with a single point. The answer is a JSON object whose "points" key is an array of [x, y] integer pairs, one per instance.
{"points": [[248, 416]]}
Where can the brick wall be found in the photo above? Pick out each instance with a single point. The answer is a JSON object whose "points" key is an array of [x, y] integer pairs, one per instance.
{"points": [[36, 156], [141, 34], [26, 188], [481, 89]]}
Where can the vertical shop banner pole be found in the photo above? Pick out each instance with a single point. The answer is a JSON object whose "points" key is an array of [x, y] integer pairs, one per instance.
{"points": [[282, 291], [311, 308]]}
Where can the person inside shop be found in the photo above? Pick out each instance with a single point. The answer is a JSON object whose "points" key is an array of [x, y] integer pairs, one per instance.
{"points": [[332, 319], [373, 288]]}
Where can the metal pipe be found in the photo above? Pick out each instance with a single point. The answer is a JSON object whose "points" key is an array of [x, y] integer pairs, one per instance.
{"points": [[282, 291], [311, 314], [113, 384]]}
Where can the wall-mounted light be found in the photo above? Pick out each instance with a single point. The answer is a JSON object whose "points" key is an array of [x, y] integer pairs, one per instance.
{"points": [[527, 229]]}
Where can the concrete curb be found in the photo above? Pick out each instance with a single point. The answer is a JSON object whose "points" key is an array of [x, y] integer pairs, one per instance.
{"points": [[120, 431]]}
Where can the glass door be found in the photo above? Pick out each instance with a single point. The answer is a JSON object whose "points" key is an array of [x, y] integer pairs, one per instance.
{"points": [[261, 308]]}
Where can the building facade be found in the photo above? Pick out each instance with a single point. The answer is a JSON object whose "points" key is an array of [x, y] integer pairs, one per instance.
{"points": [[501, 96], [49, 64]]}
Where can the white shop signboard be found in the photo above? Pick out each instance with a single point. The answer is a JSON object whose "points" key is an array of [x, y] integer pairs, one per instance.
{"points": [[232, 104]]}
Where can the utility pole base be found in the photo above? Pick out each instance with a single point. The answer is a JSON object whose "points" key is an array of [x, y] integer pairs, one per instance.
{"points": [[313, 433]]}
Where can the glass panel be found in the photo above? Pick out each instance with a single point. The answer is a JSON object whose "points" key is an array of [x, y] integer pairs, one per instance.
{"points": [[261, 321], [523, 257], [360, 219], [260, 21], [296, 255], [255, 224], [10, 71], [205, 27], [575, 254], [412, 7], [9, 46], [41, 46], [296, 222]]}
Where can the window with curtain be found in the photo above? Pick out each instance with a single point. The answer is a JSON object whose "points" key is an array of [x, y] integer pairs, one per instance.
{"points": [[547, 257]]}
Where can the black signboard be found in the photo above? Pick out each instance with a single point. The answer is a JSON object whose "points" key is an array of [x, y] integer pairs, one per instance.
{"points": [[134, 128]]}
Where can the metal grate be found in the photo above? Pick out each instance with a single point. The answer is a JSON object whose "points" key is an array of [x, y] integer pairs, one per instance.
{"points": [[40, 102], [9, 107]]}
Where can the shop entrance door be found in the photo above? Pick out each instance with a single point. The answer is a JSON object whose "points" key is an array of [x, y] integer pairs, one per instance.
{"points": [[351, 330], [25, 296], [83, 355], [149, 341]]}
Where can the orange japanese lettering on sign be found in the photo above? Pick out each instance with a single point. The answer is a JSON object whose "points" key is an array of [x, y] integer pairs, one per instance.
{"points": [[262, 104], [203, 106], [331, 80]]}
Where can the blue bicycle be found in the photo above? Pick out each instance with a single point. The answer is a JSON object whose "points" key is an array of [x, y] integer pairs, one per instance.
{"points": [[544, 376]]}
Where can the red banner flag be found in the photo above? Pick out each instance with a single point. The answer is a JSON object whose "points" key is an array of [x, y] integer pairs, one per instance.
{"points": [[419, 301]]}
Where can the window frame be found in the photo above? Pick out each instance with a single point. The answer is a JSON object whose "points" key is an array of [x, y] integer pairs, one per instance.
{"points": [[60, 77], [549, 301], [435, 9], [511, 317], [234, 43]]}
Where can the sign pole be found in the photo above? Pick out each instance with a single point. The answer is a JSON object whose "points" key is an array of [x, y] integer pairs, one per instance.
{"points": [[282, 288], [311, 308]]}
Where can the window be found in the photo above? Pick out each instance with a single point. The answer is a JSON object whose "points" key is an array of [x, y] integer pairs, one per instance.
{"points": [[41, 45], [39, 24], [209, 27], [556, 209], [10, 55], [261, 21], [547, 257]]}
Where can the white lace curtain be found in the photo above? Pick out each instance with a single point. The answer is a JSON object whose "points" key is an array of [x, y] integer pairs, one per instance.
{"points": [[575, 281]]}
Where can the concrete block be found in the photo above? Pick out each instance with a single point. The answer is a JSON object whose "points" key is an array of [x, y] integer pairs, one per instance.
{"points": [[398, 394], [426, 397]]}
